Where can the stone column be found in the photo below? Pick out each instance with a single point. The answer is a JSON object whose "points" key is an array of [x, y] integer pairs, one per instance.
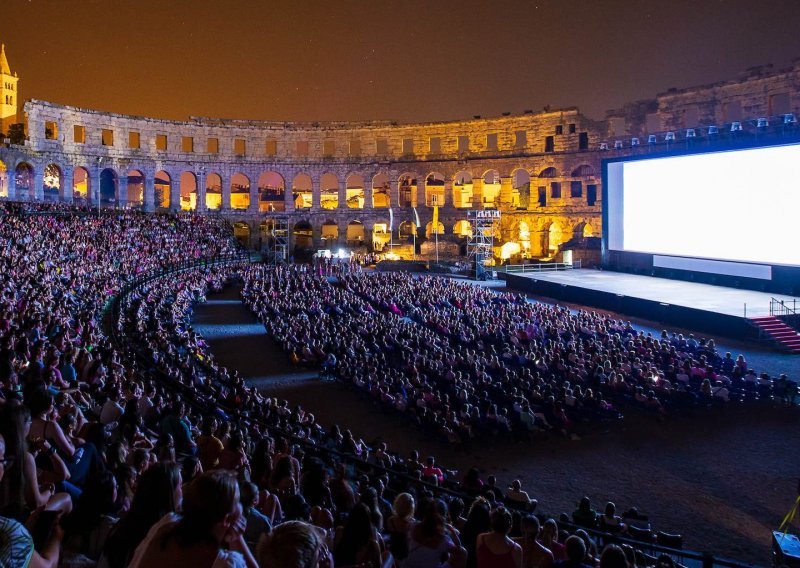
{"points": [[315, 194], [38, 186], [420, 192], [368, 228], [226, 192], [477, 193], [94, 187], [254, 205], [11, 180], [149, 197], [394, 193], [122, 190], [341, 238], [175, 192], [506, 187], [316, 236], [368, 203], [66, 184], [200, 204], [288, 197], [342, 195], [448, 193]]}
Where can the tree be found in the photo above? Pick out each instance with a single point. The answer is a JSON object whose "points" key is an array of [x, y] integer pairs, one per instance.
{"points": [[16, 133]]}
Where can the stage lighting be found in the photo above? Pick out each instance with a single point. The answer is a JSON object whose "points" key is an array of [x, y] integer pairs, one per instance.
{"points": [[736, 126], [651, 139], [762, 123], [690, 133], [618, 145], [789, 119], [713, 130], [634, 142], [670, 137]]}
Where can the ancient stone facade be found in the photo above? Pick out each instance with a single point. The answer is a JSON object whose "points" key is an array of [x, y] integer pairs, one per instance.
{"points": [[343, 184]]}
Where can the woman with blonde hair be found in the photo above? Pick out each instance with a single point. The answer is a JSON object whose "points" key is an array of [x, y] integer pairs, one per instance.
{"points": [[399, 525], [294, 544]]}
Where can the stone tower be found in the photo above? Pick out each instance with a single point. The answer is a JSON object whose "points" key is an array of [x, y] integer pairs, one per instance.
{"points": [[8, 93]]}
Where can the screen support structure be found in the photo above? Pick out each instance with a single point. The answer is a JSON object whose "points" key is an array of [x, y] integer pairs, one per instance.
{"points": [[279, 239], [480, 247]]}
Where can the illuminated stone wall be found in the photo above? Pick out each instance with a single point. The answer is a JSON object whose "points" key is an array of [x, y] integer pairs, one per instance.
{"points": [[542, 170]]}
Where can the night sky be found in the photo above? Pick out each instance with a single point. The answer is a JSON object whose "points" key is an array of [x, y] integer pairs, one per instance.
{"points": [[404, 60]]}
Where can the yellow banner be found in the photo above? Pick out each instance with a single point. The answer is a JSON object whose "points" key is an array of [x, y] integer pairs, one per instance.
{"points": [[435, 224]]}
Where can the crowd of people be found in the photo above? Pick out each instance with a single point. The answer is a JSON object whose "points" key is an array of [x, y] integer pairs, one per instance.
{"points": [[124, 443], [464, 361]]}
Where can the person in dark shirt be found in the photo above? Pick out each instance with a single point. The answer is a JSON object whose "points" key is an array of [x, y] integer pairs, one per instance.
{"points": [[576, 554], [585, 516]]}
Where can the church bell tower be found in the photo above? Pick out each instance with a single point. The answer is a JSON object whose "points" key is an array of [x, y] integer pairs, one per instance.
{"points": [[8, 93]]}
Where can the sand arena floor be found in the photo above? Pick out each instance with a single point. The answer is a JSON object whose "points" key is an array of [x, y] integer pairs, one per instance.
{"points": [[723, 478]]}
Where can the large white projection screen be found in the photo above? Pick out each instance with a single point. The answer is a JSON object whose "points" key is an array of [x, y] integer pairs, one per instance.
{"points": [[741, 205]]}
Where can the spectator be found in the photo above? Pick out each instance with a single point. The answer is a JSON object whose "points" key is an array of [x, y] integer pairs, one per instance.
{"points": [[495, 549], [211, 517], [295, 544]]}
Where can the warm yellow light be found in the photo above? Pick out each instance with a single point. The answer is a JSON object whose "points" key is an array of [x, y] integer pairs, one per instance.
{"points": [[509, 249]]}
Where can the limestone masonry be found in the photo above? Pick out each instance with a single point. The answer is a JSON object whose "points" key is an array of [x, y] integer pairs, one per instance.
{"points": [[338, 180]]}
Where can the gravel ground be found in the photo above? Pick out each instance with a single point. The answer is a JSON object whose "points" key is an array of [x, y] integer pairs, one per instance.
{"points": [[723, 478]]}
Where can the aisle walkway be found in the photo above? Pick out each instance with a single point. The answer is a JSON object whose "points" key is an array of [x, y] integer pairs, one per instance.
{"points": [[239, 341]]}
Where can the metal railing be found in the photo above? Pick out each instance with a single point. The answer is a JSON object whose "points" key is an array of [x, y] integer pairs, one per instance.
{"points": [[110, 312], [542, 267], [786, 311]]}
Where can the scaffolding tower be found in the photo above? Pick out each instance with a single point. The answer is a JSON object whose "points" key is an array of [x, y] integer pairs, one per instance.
{"points": [[480, 247], [279, 239]]}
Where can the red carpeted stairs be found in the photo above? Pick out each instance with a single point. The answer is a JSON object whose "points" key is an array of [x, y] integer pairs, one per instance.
{"points": [[781, 333]]}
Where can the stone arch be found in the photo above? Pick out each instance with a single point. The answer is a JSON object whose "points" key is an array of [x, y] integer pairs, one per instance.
{"points": [[303, 235], [584, 170], [462, 228], [81, 183], [491, 189], [329, 233], [3, 179], [240, 191], [406, 229], [381, 191], [241, 231], [302, 191], [134, 187], [329, 191], [53, 182], [213, 191], [23, 180], [356, 235], [354, 191], [462, 190], [434, 189], [553, 236], [582, 230], [521, 188], [188, 196], [407, 190], [430, 231], [163, 189], [109, 187], [271, 192], [549, 172]]}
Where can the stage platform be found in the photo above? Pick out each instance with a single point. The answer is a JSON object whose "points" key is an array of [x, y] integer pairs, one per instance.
{"points": [[701, 307]]}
